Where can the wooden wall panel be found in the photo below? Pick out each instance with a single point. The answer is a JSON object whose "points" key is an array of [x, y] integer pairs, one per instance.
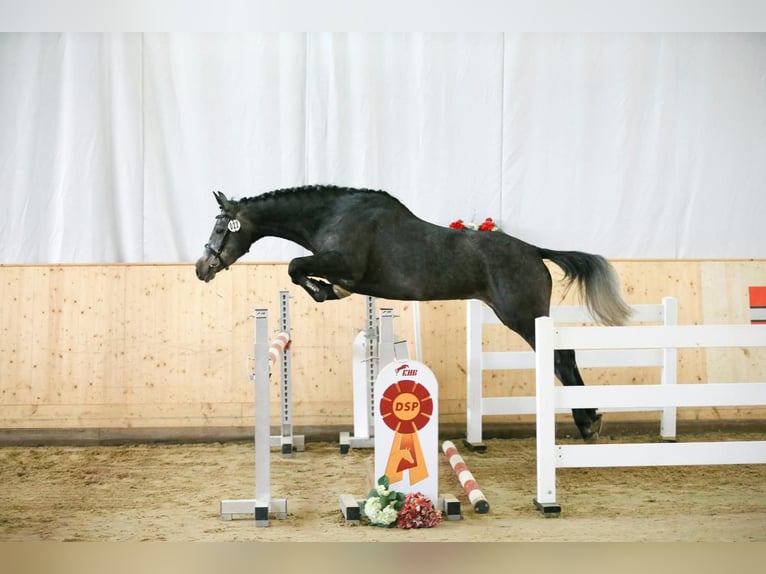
{"points": [[725, 300], [151, 346]]}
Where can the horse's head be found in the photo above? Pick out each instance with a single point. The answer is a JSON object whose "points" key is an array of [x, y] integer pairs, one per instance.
{"points": [[231, 238]]}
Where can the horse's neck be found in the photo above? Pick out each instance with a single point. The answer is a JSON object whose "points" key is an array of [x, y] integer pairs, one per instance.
{"points": [[284, 217]]}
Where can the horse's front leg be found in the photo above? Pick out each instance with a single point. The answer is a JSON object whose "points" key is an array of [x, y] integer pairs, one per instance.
{"points": [[305, 271]]}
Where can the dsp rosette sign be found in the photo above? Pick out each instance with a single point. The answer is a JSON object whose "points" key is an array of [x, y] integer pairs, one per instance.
{"points": [[407, 427]]}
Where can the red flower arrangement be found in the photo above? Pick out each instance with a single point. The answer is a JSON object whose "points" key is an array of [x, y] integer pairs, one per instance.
{"points": [[487, 225], [417, 512]]}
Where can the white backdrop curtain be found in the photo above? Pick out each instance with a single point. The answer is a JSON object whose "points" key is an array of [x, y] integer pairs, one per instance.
{"points": [[635, 146]]}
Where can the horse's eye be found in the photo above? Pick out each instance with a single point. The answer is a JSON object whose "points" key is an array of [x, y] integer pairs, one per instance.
{"points": [[218, 230]]}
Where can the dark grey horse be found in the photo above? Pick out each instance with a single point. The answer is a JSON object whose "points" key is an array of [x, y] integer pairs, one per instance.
{"points": [[368, 242]]}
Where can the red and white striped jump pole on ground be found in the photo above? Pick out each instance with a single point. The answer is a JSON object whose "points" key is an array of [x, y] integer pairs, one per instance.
{"points": [[470, 486], [277, 347]]}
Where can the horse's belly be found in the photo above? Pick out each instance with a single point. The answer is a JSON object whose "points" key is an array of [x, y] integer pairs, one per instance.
{"points": [[436, 286]]}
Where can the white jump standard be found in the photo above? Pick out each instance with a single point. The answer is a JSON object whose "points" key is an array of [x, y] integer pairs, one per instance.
{"points": [[263, 505], [279, 353], [286, 441], [374, 348]]}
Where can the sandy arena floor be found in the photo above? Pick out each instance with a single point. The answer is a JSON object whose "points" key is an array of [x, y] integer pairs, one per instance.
{"points": [[172, 492]]}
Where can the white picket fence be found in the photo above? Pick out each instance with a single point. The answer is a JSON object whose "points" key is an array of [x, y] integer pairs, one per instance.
{"points": [[479, 360], [550, 398]]}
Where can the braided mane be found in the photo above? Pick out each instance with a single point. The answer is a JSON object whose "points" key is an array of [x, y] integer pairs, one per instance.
{"points": [[309, 189]]}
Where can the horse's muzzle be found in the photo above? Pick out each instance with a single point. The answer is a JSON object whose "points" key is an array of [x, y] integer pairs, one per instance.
{"points": [[205, 271]]}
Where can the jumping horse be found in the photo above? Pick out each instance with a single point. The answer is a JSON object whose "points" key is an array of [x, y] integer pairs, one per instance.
{"points": [[368, 242]]}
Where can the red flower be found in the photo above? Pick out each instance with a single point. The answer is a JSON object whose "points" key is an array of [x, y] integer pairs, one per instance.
{"points": [[457, 224], [418, 512], [488, 225]]}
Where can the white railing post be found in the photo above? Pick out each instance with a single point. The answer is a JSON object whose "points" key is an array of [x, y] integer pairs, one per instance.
{"points": [[669, 370], [545, 403], [473, 391]]}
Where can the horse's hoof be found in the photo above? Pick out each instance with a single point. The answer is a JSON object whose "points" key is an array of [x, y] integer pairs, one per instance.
{"points": [[595, 429], [597, 424], [592, 432], [319, 296], [340, 292]]}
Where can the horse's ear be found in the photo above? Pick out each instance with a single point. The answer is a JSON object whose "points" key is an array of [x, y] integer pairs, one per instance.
{"points": [[222, 200]]}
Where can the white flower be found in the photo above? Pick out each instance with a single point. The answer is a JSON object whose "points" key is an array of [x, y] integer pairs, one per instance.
{"points": [[378, 515], [382, 491], [372, 508], [388, 514]]}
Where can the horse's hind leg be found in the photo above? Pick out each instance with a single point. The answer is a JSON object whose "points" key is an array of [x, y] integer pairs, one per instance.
{"points": [[587, 420]]}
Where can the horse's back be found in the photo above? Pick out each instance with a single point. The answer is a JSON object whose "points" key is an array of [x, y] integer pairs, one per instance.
{"points": [[400, 256]]}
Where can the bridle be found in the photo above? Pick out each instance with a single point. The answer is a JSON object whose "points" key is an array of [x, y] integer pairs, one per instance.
{"points": [[232, 226]]}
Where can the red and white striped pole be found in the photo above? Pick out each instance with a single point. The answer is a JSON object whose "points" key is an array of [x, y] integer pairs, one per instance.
{"points": [[278, 346], [470, 486]]}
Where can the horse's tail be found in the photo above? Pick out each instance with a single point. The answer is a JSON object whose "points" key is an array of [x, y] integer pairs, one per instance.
{"points": [[597, 281]]}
